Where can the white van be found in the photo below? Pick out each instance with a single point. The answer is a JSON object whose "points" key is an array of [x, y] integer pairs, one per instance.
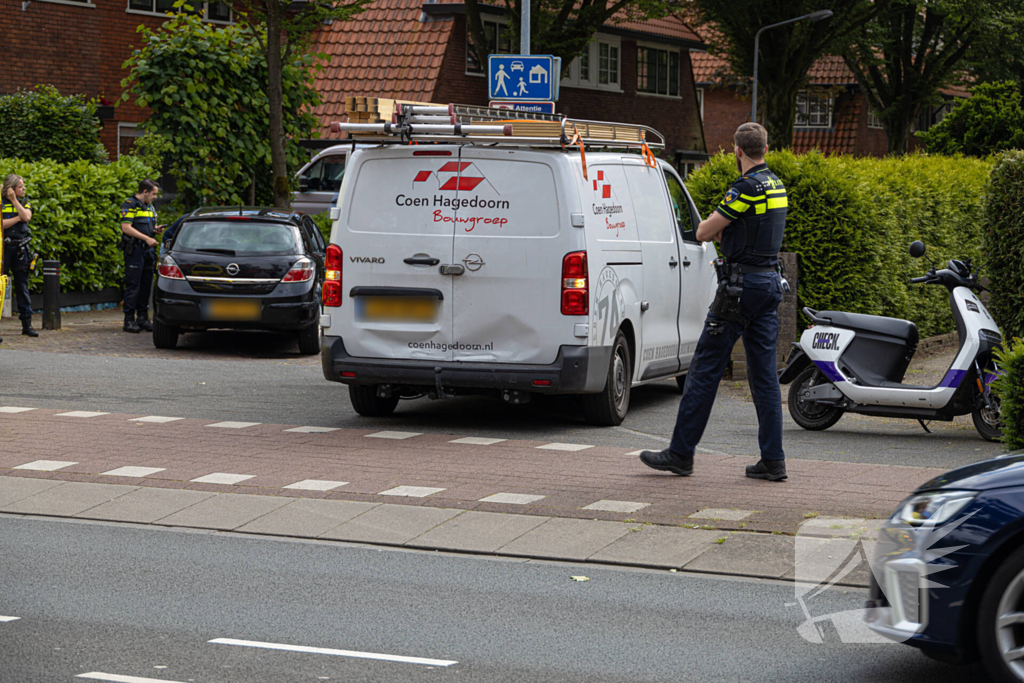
{"points": [[468, 268]]}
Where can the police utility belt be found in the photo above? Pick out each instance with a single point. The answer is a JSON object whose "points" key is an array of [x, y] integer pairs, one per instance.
{"points": [[18, 245], [730, 289]]}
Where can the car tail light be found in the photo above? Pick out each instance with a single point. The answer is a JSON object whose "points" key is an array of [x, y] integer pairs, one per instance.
{"points": [[332, 279], [302, 271], [169, 269], [575, 293]]}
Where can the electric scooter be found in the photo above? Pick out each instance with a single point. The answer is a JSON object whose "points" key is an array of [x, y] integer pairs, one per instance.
{"points": [[850, 362]]}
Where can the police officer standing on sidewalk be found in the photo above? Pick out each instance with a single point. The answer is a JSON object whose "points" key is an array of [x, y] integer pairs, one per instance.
{"points": [[749, 222], [18, 256], [139, 228]]}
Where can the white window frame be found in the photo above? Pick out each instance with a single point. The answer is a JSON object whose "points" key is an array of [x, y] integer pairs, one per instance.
{"points": [[700, 104], [679, 80], [874, 120], [686, 168], [500, 24], [573, 80], [807, 94], [122, 132], [155, 13], [72, 3]]}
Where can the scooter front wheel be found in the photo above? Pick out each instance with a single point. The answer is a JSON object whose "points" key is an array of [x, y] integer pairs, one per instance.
{"points": [[987, 419], [809, 415]]}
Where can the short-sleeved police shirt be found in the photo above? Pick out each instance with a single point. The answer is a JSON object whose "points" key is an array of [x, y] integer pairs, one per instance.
{"points": [[20, 229], [756, 204], [141, 216]]}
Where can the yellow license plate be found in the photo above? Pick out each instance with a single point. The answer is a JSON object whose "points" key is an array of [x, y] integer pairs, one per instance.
{"points": [[229, 309], [396, 309]]}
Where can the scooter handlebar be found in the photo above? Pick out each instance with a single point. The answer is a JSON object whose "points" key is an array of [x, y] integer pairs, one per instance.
{"points": [[918, 280]]}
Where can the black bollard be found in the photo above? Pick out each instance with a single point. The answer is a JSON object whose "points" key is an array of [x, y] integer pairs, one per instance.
{"points": [[51, 295]]}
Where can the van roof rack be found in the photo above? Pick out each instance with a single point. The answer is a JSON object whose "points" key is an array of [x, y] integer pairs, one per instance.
{"points": [[419, 122]]}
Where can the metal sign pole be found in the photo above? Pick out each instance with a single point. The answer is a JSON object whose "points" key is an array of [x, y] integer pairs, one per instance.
{"points": [[524, 28]]}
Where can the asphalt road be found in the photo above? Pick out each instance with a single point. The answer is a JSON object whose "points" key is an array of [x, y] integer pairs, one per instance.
{"points": [[280, 392], [147, 602]]}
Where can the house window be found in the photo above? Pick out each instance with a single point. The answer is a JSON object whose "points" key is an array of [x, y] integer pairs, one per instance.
{"points": [[211, 11], [584, 66], [813, 110], [497, 41], [657, 71], [700, 103], [127, 134], [607, 64], [597, 67], [874, 120], [686, 168]]}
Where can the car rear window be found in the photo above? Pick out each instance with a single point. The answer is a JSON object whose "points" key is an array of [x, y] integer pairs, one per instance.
{"points": [[240, 237]]}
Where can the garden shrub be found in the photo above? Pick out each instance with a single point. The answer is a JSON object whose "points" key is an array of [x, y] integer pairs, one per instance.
{"points": [[42, 124], [1009, 387], [1004, 242], [990, 121]]}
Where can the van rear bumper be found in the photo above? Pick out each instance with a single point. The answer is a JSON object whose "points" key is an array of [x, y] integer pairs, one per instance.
{"points": [[576, 370]]}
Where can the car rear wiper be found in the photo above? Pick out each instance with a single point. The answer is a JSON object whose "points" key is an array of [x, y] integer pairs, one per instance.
{"points": [[227, 252]]}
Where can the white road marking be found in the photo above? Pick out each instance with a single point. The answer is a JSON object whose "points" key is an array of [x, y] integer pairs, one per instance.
{"points": [[312, 430], [9, 618], [511, 498], [234, 425], [158, 419], [564, 447], [45, 465], [80, 413], [134, 471], [721, 513], [336, 653], [393, 435], [315, 485], [222, 478], [636, 452], [411, 491], [14, 409], [616, 506], [477, 441], [118, 678]]}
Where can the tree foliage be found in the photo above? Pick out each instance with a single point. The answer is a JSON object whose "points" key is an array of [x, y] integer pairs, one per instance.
{"points": [[207, 90], [43, 124], [991, 121]]}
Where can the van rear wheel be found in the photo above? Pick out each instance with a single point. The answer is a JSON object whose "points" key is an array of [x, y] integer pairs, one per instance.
{"points": [[368, 404], [609, 408]]}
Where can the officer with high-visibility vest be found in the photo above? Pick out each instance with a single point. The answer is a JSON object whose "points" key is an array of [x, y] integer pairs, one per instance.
{"points": [[750, 222], [18, 256], [138, 242]]}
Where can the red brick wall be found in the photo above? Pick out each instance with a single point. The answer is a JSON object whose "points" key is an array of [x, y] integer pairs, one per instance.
{"points": [[723, 114], [870, 141], [79, 50]]}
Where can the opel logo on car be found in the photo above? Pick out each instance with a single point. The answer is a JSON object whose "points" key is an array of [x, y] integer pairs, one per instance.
{"points": [[232, 269], [473, 262]]}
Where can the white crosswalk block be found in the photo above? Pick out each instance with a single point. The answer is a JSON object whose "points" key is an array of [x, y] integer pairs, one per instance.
{"points": [[156, 419], [45, 465], [222, 478], [312, 430], [393, 435], [722, 513], [134, 471], [14, 409], [234, 425], [477, 441], [315, 485], [81, 413], [9, 618], [616, 506], [635, 452], [411, 491], [511, 498], [564, 447], [118, 678]]}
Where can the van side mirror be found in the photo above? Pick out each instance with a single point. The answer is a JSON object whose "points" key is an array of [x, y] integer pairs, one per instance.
{"points": [[917, 249], [303, 183]]}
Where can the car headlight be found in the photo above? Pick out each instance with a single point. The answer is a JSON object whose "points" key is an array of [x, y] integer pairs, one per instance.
{"points": [[934, 507]]}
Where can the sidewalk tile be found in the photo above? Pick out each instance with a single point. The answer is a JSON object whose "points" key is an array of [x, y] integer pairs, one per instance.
{"points": [[616, 506], [721, 513], [222, 478], [563, 447], [749, 554], [80, 413], [391, 524], [68, 500], [14, 409], [393, 435], [133, 471], [307, 518], [315, 485], [657, 546], [225, 511], [411, 491], [567, 539], [13, 489], [511, 498], [477, 441], [146, 505], [312, 430], [234, 425], [156, 419], [45, 465], [481, 532]]}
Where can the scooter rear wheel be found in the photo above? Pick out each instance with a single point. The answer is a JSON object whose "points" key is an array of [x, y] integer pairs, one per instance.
{"points": [[812, 416]]}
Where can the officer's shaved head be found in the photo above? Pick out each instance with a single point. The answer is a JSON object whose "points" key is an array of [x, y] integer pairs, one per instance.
{"points": [[752, 138]]}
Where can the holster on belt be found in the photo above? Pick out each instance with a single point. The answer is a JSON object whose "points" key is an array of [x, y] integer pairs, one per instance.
{"points": [[128, 245], [726, 304]]}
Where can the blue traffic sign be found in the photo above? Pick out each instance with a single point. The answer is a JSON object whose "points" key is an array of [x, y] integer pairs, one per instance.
{"points": [[522, 77]]}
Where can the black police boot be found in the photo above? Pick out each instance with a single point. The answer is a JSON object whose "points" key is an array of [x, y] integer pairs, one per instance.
{"points": [[130, 326], [772, 470], [26, 329], [143, 323], [668, 461]]}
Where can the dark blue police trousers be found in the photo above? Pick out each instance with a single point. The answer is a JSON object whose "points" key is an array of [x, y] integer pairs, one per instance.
{"points": [[19, 272], [762, 294], [138, 281]]}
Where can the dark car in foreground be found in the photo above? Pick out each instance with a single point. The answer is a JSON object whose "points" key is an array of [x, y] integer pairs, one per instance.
{"points": [[242, 268], [948, 576]]}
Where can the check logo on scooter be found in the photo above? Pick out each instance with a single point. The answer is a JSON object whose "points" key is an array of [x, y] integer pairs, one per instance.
{"points": [[828, 341]]}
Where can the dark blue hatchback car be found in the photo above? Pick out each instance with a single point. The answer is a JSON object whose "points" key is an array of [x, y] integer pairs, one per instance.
{"points": [[948, 575]]}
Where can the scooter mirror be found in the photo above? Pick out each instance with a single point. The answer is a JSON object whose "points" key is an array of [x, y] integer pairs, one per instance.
{"points": [[917, 249]]}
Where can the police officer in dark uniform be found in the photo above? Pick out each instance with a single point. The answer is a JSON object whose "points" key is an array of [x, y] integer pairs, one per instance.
{"points": [[138, 231], [18, 256], [750, 222]]}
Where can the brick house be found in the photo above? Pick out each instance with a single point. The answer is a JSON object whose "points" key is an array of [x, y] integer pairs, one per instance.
{"points": [[78, 46], [634, 72]]}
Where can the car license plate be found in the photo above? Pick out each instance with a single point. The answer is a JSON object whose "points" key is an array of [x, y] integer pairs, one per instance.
{"points": [[396, 309], [232, 309]]}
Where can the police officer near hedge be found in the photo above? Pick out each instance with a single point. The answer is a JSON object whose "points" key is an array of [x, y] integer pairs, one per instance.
{"points": [[138, 241], [18, 257], [750, 222]]}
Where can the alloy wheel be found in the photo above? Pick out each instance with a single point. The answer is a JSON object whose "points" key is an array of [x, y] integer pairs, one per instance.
{"points": [[1010, 626]]}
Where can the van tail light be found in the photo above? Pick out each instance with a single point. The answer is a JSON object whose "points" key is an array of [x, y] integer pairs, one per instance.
{"points": [[169, 269], [332, 279], [302, 271], [575, 290]]}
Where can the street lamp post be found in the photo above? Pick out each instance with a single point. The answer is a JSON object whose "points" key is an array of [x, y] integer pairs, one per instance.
{"points": [[813, 16]]}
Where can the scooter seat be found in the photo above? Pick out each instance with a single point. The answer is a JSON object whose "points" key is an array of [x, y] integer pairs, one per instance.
{"points": [[889, 327]]}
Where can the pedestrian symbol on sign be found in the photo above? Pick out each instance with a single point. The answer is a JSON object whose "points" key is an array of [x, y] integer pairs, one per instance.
{"points": [[500, 77]]}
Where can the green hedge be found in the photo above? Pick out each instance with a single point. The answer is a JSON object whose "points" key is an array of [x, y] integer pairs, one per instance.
{"points": [[42, 124], [851, 221], [75, 217], [1004, 242], [1009, 387]]}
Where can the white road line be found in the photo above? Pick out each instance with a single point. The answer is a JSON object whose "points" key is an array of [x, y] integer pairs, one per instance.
{"points": [[134, 471], [80, 413], [477, 441], [312, 430], [14, 409], [336, 653], [315, 485], [233, 425], [511, 498], [222, 478], [118, 678], [616, 506], [158, 419], [393, 435], [9, 618], [45, 465], [564, 447], [411, 491], [635, 452]]}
